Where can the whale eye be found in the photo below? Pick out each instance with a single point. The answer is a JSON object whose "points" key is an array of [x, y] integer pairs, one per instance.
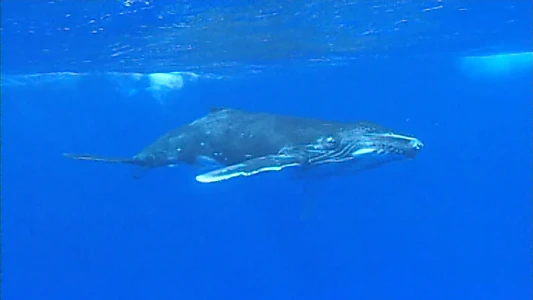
{"points": [[330, 142]]}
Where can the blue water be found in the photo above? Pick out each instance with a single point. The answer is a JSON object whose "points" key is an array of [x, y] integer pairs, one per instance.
{"points": [[454, 223]]}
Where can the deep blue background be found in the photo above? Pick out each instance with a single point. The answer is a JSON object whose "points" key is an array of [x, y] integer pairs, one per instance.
{"points": [[455, 223]]}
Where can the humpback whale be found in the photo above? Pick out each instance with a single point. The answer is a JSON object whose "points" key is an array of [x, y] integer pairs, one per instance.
{"points": [[244, 143]]}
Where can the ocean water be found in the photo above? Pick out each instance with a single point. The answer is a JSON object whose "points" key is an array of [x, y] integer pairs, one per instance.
{"points": [[110, 77]]}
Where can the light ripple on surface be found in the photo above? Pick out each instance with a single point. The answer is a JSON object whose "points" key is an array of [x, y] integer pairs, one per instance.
{"points": [[229, 37]]}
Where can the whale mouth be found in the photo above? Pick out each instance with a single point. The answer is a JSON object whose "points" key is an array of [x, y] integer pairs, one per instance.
{"points": [[416, 144]]}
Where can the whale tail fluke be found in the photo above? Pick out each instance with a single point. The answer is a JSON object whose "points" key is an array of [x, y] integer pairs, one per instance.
{"points": [[116, 160]]}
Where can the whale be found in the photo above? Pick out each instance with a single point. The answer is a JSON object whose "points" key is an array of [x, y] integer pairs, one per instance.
{"points": [[235, 143]]}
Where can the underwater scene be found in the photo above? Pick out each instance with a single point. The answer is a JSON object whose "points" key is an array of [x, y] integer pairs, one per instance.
{"points": [[323, 149]]}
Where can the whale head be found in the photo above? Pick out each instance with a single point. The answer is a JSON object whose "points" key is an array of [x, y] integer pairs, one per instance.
{"points": [[365, 146]]}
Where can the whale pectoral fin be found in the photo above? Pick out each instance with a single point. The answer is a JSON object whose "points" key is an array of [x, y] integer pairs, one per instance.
{"points": [[250, 167], [102, 159]]}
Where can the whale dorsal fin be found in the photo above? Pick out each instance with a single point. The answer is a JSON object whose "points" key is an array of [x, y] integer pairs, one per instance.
{"points": [[214, 109]]}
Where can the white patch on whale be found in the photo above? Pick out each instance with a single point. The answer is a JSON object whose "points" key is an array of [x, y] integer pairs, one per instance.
{"points": [[207, 163], [363, 151], [213, 177], [250, 167], [415, 143]]}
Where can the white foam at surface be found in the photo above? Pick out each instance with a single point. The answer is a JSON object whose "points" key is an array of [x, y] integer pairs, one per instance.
{"points": [[166, 80], [158, 85], [497, 65], [163, 83], [363, 151]]}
